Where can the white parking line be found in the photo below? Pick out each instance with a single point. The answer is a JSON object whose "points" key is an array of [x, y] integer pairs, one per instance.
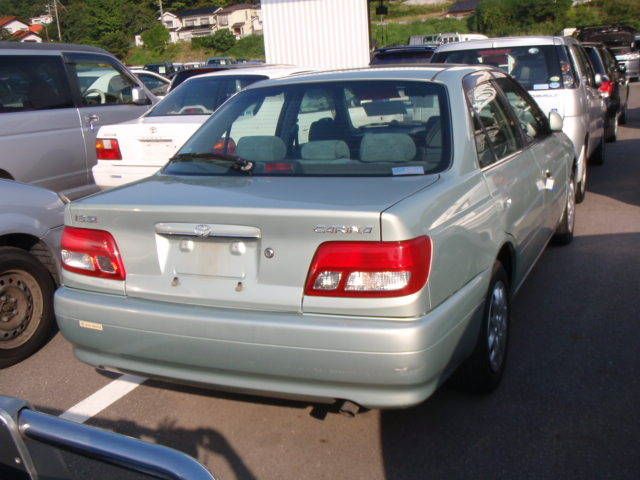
{"points": [[107, 395]]}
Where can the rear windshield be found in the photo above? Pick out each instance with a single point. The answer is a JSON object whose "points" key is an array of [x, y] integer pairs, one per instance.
{"points": [[535, 67], [202, 96], [354, 128], [417, 56]]}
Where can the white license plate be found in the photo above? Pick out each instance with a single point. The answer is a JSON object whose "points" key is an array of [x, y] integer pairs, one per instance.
{"points": [[213, 257]]}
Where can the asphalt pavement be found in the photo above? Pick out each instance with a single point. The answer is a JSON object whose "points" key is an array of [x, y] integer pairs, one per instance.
{"points": [[568, 406]]}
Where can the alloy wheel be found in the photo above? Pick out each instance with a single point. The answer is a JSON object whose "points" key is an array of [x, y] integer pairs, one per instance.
{"points": [[497, 326]]}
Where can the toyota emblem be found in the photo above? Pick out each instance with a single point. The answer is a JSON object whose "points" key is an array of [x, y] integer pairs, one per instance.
{"points": [[202, 230]]}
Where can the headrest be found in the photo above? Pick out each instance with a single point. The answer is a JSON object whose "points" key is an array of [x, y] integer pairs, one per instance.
{"points": [[262, 148], [325, 150], [387, 147]]}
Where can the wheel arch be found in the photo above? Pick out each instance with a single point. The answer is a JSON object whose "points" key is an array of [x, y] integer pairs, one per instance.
{"points": [[507, 257], [35, 247]]}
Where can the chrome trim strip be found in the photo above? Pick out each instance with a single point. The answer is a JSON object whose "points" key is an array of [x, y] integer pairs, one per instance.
{"points": [[214, 230]]}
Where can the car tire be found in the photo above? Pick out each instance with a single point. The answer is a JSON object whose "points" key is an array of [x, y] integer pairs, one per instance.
{"points": [[564, 232], [622, 119], [581, 187], [26, 305], [598, 156], [483, 370], [612, 133]]}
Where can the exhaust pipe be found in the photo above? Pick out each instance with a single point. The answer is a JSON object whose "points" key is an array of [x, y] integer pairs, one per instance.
{"points": [[349, 409]]}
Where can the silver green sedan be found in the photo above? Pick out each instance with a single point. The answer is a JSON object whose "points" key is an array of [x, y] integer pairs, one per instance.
{"points": [[354, 235]]}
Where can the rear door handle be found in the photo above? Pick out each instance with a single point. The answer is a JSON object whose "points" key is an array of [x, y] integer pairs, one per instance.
{"points": [[92, 118]]}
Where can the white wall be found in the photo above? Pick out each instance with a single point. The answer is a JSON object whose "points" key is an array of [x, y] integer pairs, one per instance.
{"points": [[316, 33]]}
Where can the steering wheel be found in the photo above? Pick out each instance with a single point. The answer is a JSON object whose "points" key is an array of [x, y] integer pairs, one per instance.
{"points": [[94, 91]]}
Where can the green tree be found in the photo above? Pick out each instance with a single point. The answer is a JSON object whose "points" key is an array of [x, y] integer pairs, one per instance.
{"points": [[105, 23], [156, 38]]}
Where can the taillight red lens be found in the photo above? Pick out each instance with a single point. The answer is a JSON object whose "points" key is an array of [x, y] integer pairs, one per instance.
{"points": [[108, 149], [370, 269], [606, 88], [91, 252]]}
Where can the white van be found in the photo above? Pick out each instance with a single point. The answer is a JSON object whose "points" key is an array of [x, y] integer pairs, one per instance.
{"points": [[557, 73]]}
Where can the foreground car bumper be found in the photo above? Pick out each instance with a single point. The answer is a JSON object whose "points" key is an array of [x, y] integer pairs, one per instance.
{"points": [[115, 175], [378, 363]]}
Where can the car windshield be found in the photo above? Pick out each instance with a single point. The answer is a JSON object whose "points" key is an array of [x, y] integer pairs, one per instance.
{"points": [[402, 56], [202, 96], [535, 67], [338, 128]]}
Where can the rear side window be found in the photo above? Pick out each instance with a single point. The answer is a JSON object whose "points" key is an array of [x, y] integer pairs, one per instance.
{"points": [[596, 61], [202, 96], [495, 132], [536, 67], [33, 83]]}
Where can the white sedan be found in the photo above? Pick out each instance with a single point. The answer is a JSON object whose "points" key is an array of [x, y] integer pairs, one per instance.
{"points": [[136, 149]]}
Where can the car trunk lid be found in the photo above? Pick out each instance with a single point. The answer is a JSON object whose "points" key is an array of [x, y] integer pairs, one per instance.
{"points": [[237, 242]]}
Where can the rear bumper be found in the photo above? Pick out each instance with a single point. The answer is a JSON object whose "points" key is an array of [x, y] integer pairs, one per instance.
{"points": [[109, 176], [378, 363]]}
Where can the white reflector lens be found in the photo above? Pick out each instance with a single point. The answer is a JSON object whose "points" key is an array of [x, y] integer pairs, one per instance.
{"points": [[327, 281], [377, 281], [77, 260]]}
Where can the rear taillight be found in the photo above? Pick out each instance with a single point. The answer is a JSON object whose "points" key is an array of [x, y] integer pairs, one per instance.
{"points": [[606, 88], [91, 252], [108, 149], [370, 269]]}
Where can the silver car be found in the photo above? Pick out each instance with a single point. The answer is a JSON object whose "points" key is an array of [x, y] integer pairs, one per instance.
{"points": [[364, 258], [53, 99], [557, 73], [30, 227]]}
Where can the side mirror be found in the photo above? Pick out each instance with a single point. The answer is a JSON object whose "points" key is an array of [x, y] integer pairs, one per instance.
{"points": [[555, 121], [598, 78], [138, 96], [34, 446]]}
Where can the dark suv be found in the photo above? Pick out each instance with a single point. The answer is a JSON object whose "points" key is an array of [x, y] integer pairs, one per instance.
{"points": [[621, 40], [612, 85]]}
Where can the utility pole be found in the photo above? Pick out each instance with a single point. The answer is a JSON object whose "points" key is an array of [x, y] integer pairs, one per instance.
{"points": [[55, 10], [161, 12]]}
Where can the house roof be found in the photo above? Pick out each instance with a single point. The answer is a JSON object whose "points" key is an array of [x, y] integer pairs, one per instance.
{"points": [[7, 19], [20, 34], [462, 6], [239, 6], [198, 11]]}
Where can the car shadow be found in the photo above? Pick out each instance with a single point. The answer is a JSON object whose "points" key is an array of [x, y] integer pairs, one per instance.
{"points": [[199, 443], [567, 404]]}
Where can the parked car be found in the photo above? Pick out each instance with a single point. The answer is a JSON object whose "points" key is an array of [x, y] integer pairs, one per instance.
{"points": [[53, 99], [612, 84], [363, 259], [621, 40], [403, 54], [440, 38], [557, 73], [192, 72], [133, 150], [166, 69], [220, 61], [155, 83], [31, 221]]}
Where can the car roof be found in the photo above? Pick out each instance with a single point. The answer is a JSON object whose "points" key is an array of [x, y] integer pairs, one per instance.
{"points": [[406, 48], [506, 42], [421, 72], [45, 46], [271, 71]]}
